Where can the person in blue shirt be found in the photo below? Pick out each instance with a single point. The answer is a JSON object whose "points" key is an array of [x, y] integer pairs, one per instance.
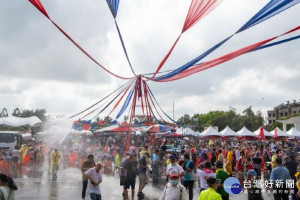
{"points": [[155, 167], [280, 176], [189, 177]]}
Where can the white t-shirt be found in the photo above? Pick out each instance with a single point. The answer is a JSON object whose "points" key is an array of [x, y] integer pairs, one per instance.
{"points": [[176, 167], [203, 176], [174, 192], [96, 177], [15, 153]]}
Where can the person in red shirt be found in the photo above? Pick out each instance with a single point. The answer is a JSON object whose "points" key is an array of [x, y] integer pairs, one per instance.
{"points": [[240, 168], [249, 164]]}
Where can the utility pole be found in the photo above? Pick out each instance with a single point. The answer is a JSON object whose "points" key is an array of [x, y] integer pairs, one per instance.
{"points": [[173, 112]]}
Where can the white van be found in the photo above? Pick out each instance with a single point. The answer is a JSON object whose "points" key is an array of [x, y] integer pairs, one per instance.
{"points": [[9, 139]]}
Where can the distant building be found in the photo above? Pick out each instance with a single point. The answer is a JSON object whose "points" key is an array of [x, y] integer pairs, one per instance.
{"points": [[283, 110]]}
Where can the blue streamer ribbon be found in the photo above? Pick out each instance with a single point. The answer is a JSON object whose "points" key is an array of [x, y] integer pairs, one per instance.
{"points": [[126, 103], [113, 6]]}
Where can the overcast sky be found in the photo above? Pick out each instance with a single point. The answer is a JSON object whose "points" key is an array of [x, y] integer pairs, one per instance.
{"points": [[41, 68]]}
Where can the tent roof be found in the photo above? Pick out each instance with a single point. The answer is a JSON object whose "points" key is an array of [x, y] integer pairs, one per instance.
{"points": [[245, 132], [228, 132], [114, 128], [186, 131], [266, 133], [293, 132], [280, 133], [210, 132], [19, 121]]}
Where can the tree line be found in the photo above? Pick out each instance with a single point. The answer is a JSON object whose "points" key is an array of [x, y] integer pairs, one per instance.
{"points": [[231, 118]]}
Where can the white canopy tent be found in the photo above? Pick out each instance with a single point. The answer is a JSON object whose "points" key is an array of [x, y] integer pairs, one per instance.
{"points": [[83, 132], [280, 133], [293, 132], [210, 132], [244, 132], [26, 136], [266, 133], [186, 131], [19, 121], [228, 132]]}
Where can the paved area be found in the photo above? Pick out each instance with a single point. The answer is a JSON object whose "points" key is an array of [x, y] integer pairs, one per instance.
{"points": [[37, 185]]}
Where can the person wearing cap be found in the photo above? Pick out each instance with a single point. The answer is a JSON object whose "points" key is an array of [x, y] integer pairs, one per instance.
{"points": [[174, 190], [130, 167], [254, 193], [210, 193], [221, 175], [174, 166], [280, 174]]}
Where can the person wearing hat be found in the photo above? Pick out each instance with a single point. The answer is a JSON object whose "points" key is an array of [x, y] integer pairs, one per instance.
{"points": [[174, 166], [280, 174], [254, 193], [174, 190], [221, 175], [210, 193]]}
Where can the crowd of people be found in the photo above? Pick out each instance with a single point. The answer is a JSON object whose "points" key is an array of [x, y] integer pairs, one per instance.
{"points": [[202, 163]]}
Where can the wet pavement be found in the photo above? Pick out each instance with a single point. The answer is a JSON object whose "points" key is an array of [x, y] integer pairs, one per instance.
{"points": [[37, 185]]}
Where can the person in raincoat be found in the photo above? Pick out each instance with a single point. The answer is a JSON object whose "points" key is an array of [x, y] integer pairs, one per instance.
{"points": [[229, 160], [55, 157], [23, 151]]}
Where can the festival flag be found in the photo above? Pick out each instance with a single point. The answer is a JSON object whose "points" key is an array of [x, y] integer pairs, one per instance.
{"points": [[275, 133], [261, 134]]}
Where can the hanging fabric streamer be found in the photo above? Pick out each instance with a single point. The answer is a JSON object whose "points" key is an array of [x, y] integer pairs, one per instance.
{"points": [[100, 100], [225, 58], [271, 9], [113, 6], [198, 9], [160, 106], [126, 103], [40, 7]]}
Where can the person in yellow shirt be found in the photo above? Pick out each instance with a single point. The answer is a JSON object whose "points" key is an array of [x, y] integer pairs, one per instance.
{"points": [[117, 163], [274, 157], [55, 157], [210, 193], [23, 151], [229, 160]]}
